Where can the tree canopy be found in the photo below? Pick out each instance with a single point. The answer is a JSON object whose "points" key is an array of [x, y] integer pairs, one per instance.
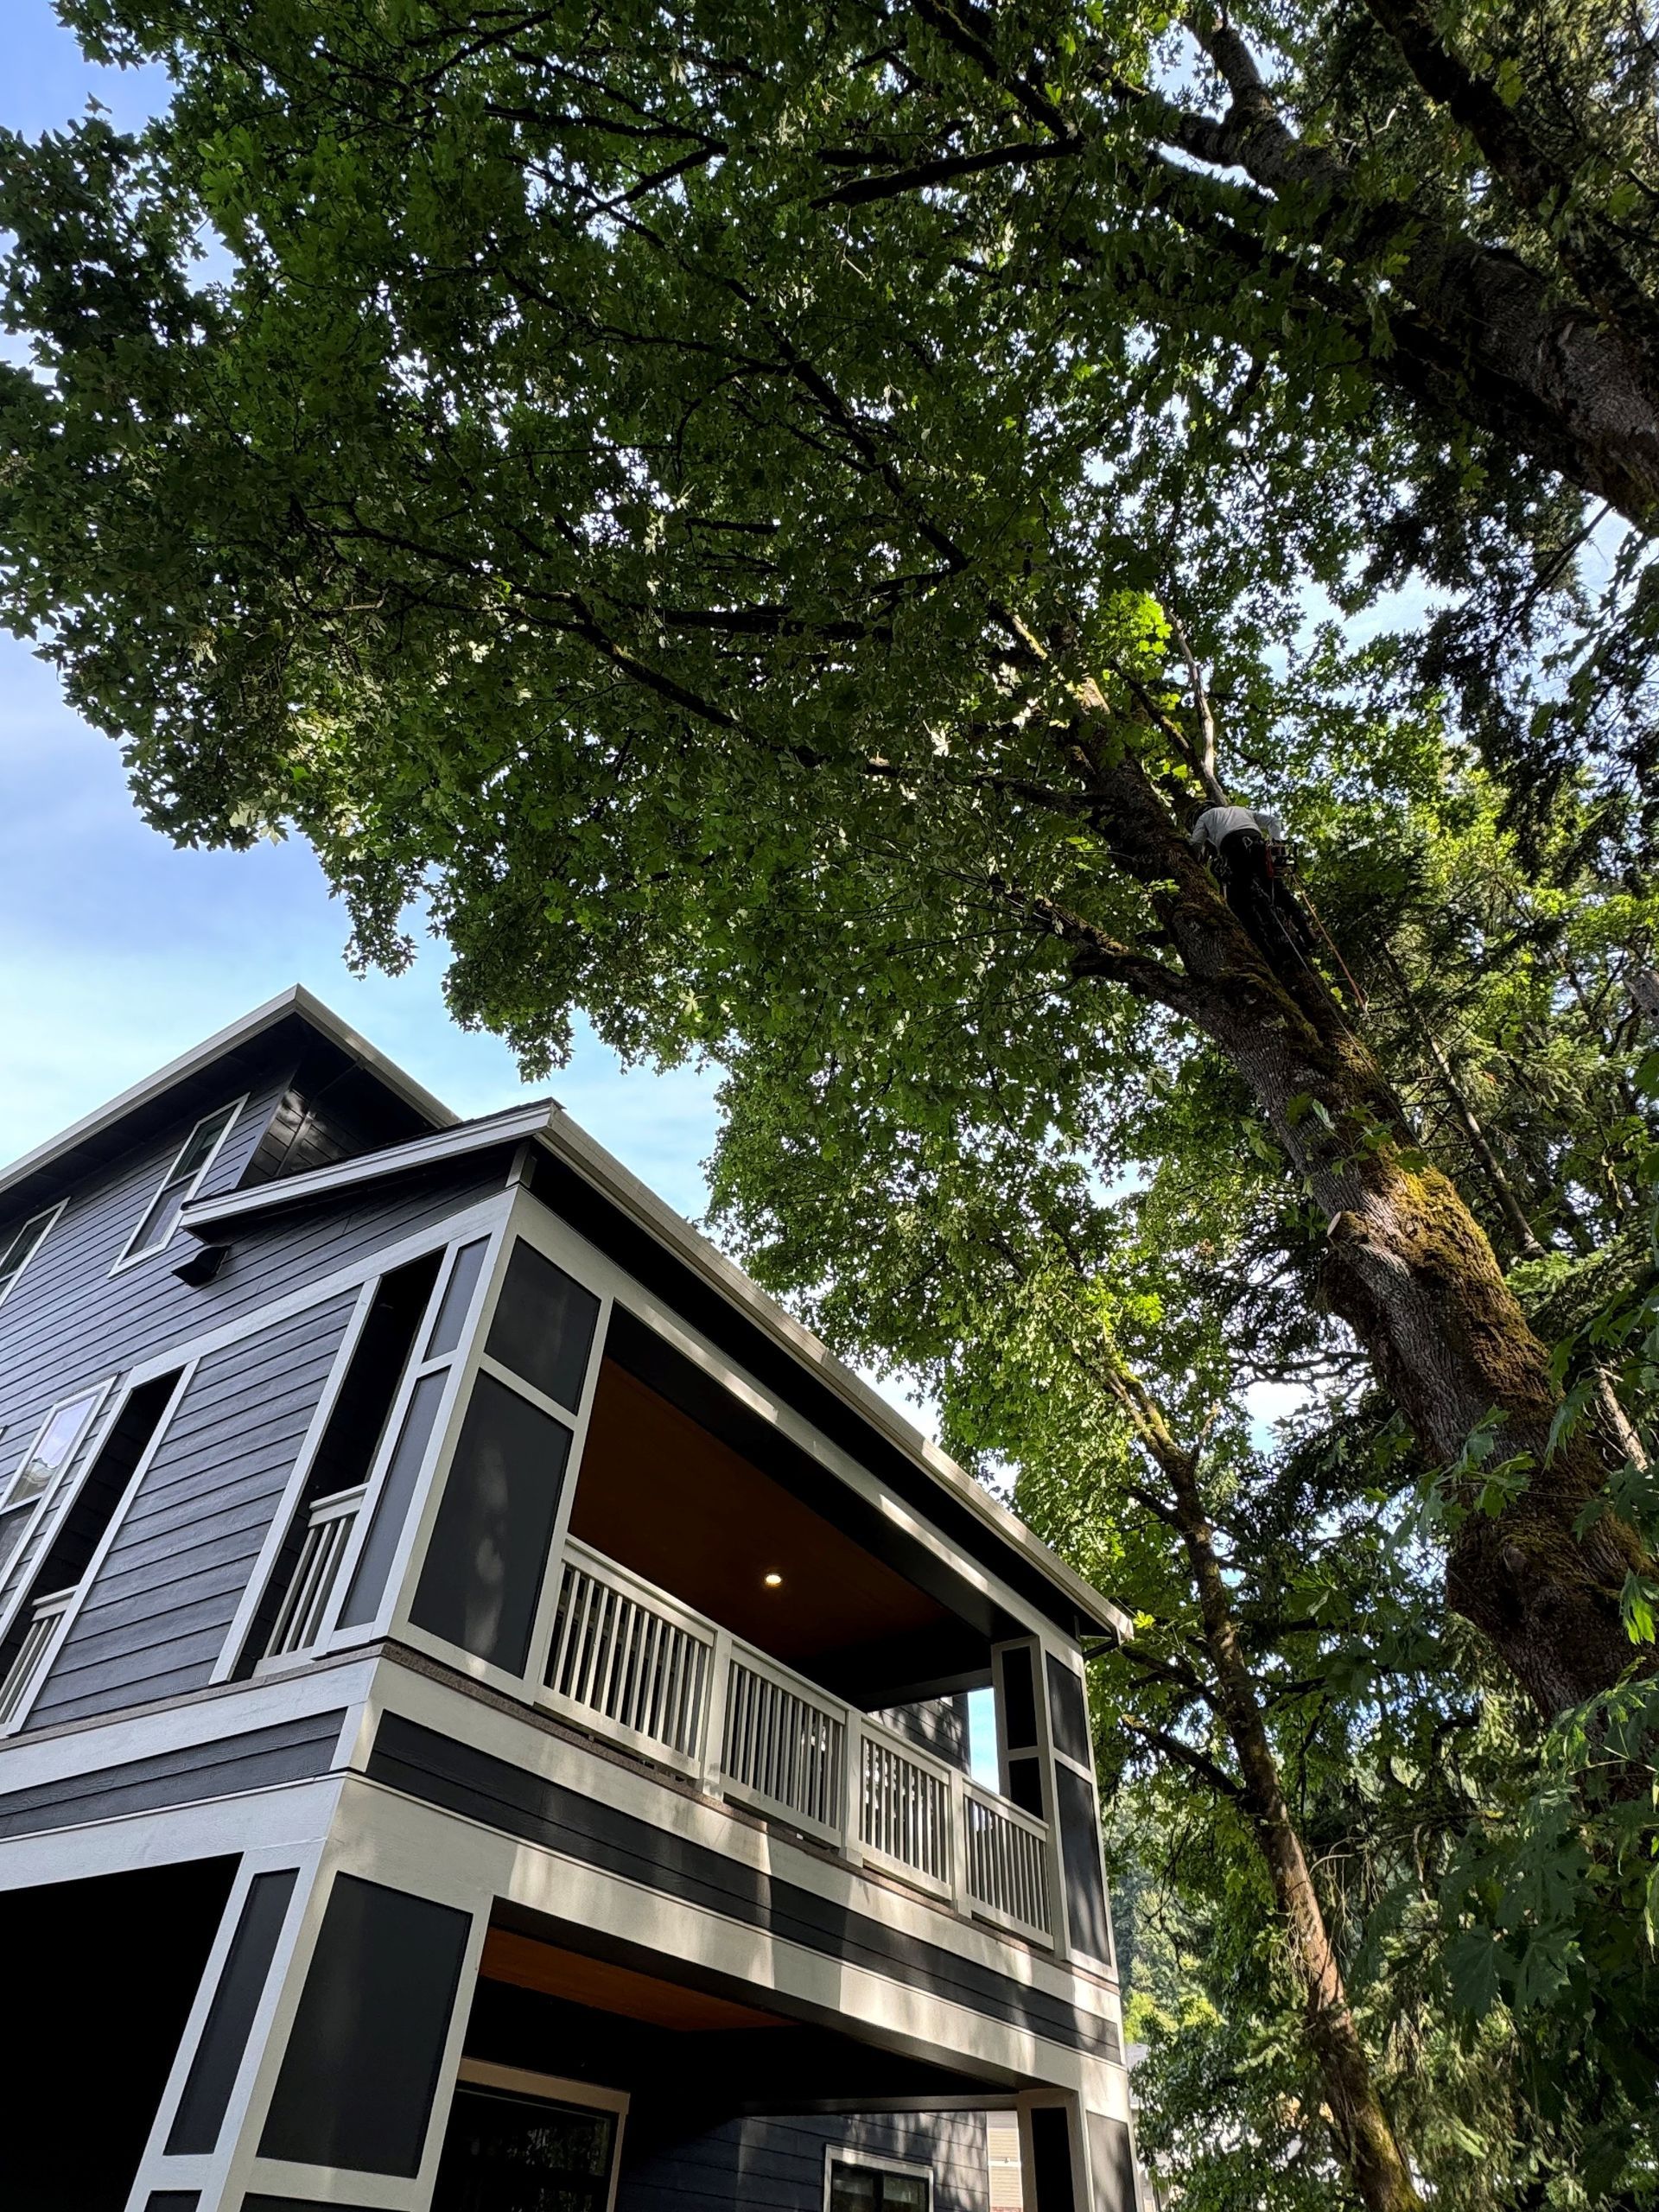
{"points": [[765, 523]]}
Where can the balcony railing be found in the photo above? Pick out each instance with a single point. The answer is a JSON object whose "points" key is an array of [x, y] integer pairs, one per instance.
{"points": [[47, 1613], [634, 1666], [305, 1603]]}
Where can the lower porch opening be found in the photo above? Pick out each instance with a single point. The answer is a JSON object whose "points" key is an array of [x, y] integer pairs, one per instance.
{"points": [[589, 2085], [106, 1970]]}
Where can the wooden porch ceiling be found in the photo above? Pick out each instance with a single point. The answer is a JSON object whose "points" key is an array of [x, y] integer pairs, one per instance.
{"points": [[527, 1964], [660, 1494]]}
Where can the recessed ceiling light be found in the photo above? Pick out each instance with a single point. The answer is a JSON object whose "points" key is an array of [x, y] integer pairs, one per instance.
{"points": [[772, 1581]]}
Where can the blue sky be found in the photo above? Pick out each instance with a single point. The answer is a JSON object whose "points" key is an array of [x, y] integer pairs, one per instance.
{"points": [[117, 951]]}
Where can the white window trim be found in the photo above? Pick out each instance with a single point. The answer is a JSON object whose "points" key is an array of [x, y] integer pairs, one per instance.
{"points": [[50, 1214], [129, 1258], [585, 2096], [86, 1454], [98, 1392], [846, 2154]]}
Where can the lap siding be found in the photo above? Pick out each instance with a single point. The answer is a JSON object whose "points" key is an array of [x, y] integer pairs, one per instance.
{"points": [[161, 1616], [291, 1751], [442, 1772]]}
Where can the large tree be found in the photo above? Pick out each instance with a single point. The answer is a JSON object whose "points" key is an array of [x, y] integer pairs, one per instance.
{"points": [[1312, 1768], [577, 495]]}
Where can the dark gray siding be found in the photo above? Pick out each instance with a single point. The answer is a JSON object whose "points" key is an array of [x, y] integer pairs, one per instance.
{"points": [[69, 1320], [776, 2165], [291, 1751], [74, 1323], [155, 1619]]}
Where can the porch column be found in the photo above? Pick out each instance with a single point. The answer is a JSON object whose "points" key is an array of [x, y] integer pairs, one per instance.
{"points": [[1046, 1764], [321, 2054]]}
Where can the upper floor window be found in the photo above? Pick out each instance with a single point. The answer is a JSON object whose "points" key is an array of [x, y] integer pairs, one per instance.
{"points": [[16, 1255], [180, 1183], [63, 1430]]}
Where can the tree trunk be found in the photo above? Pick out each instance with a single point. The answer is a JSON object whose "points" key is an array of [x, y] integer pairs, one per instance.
{"points": [[1363, 2128], [1539, 370], [1408, 1266]]}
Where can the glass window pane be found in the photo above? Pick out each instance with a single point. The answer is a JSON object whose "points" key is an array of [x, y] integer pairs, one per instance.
{"points": [[52, 1447], [503, 2150], [457, 1299], [852, 2189], [903, 2193], [21, 1249], [380, 1545], [488, 1553], [162, 1218], [544, 1326], [197, 1146], [12, 1526]]}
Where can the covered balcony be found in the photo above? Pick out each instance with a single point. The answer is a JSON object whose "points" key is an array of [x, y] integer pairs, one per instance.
{"points": [[713, 1618]]}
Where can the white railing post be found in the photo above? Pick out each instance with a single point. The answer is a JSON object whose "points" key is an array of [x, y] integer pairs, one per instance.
{"points": [[305, 1602], [852, 1787], [714, 1713], [631, 1662], [959, 1894], [31, 1657]]}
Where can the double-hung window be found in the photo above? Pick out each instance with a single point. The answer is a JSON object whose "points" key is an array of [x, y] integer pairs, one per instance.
{"points": [[865, 2184], [180, 1183], [20, 1249], [54, 1446]]}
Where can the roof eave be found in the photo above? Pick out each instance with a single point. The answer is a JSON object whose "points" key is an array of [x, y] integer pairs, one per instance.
{"points": [[296, 1000], [568, 1141], [543, 1122], [228, 1209]]}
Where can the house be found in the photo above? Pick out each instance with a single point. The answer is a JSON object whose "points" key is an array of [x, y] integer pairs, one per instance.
{"points": [[481, 1699]]}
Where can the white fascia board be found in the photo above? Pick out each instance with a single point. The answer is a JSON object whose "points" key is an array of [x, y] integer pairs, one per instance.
{"points": [[296, 999], [207, 1216], [567, 1141]]}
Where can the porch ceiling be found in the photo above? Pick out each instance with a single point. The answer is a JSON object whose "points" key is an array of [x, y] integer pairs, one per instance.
{"points": [[660, 1494], [604, 1987]]}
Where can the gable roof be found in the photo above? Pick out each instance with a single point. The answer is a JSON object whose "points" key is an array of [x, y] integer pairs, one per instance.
{"points": [[102, 1130]]}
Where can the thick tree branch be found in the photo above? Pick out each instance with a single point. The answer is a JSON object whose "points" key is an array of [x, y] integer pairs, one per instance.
{"points": [[1521, 157], [1183, 1754], [918, 178]]}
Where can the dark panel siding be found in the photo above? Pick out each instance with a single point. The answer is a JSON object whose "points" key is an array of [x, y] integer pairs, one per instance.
{"points": [[441, 1772], [79, 1323], [776, 2165], [154, 1620], [75, 1323], [292, 1750]]}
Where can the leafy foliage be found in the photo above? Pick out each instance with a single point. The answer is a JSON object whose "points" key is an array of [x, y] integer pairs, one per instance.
{"points": [[656, 487]]}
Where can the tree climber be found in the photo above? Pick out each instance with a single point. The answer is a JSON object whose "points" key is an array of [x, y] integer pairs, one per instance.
{"points": [[1247, 850]]}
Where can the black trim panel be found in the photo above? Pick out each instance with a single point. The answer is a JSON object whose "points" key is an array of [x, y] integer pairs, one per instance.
{"points": [[441, 1771]]}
